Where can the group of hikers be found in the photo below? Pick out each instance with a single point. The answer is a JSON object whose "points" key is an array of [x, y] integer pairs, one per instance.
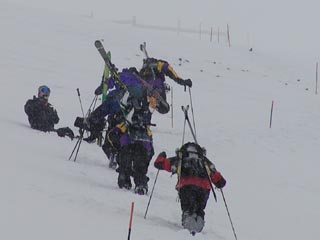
{"points": [[126, 116]]}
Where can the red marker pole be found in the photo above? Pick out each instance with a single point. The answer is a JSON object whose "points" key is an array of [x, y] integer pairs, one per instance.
{"points": [[271, 113], [130, 222]]}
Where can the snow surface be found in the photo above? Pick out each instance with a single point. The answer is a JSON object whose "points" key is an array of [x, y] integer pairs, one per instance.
{"points": [[273, 181]]}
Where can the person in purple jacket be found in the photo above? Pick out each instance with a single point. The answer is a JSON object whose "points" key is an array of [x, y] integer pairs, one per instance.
{"points": [[128, 135], [154, 71]]}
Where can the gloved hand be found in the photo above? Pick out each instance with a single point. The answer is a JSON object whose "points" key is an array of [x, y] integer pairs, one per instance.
{"points": [[187, 83], [98, 91], [82, 123], [66, 131], [160, 160], [218, 180]]}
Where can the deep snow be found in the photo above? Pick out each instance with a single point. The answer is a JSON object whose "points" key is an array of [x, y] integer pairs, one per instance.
{"points": [[272, 173]]}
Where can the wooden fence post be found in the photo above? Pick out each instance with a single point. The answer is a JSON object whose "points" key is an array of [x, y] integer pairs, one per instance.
{"points": [[228, 34], [317, 78]]}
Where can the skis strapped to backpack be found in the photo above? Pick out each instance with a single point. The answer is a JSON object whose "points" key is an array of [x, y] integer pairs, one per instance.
{"points": [[106, 74], [112, 69], [207, 168], [152, 92], [143, 48]]}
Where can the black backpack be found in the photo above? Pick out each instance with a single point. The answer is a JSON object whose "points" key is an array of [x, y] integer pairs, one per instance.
{"points": [[192, 160]]}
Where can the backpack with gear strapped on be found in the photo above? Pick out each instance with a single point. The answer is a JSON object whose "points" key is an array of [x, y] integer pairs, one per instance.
{"points": [[192, 160]]}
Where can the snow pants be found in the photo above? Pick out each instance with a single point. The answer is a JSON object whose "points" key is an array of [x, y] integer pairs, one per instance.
{"points": [[193, 199]]}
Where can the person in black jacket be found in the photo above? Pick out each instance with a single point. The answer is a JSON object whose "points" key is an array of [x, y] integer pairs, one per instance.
{"points": [[195, 175], [41, 114]]}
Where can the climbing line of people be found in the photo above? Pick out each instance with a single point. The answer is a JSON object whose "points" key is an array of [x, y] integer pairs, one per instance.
{"points": [[126, 118]]}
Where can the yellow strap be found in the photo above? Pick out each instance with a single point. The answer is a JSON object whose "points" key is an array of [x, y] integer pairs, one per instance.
{"points": [[122, 126], [159, 66], [149, 133], [179, 165], [173, 72]]}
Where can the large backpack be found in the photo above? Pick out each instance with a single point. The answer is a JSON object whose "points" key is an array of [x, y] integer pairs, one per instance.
{"points": [[192, 160]]}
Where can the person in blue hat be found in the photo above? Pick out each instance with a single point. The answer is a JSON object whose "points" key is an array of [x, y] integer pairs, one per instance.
{"points": [[41, 114]]}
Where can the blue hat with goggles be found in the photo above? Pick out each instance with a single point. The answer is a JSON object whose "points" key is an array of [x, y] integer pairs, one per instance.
{"points": [[43, 92]]}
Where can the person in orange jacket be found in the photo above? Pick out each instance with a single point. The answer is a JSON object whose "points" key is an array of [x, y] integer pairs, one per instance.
{"points": [[194, 171]]}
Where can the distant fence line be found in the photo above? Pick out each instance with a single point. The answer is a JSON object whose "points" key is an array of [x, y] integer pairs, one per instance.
{"points": [[218, 34]]}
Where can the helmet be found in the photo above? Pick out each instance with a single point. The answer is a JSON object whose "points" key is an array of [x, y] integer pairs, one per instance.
{"points": [[44, 92]]}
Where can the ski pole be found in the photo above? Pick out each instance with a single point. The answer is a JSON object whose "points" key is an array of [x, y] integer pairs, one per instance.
{"points": [[225, 203], [172, 107], [80, 101], [78, 143], [184, 123], [185, 110], [77, 146], [154, 184], [194, 123], [94, 101], [130, 222]]}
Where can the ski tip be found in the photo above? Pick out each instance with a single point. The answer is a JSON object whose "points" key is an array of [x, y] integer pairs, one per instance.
{"points": [[98, 43]]}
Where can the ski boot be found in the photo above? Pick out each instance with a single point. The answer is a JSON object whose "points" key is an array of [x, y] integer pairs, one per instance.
{"points": [[113, 161], [193, 223], [141, 190], [124, 181]]}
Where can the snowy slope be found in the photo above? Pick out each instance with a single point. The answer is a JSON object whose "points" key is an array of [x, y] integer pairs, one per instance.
{"points": [[273, 182]]}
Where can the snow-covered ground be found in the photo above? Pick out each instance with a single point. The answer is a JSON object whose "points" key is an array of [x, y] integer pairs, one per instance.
{"points": [[273, 181]]}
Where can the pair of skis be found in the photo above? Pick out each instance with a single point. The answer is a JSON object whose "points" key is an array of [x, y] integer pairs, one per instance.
{"points": [[111, 69]]}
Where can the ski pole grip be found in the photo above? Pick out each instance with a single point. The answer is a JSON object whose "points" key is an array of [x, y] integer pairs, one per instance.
{"points": [[78, 92]]}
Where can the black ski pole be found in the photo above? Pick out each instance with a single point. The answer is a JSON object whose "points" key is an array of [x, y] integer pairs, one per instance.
{"points": [[77, 146], [80, 101], [78, 143], [225, 203], [185, 110], [154, 184], [184, 126], [94, 101], [194, 123], [75, 157]]}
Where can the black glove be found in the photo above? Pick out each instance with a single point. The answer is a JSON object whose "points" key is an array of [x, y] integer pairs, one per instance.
{"points": [[98, 91], [82, 123], [66, 131], [187, 83]]}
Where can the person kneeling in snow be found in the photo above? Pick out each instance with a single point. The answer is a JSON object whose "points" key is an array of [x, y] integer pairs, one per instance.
{"points": [[193, 169], [42, 116]]}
